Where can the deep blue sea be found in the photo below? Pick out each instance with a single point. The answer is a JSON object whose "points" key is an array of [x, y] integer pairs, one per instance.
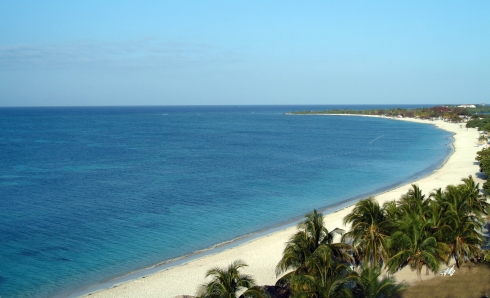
{"points": [[91, 193]]}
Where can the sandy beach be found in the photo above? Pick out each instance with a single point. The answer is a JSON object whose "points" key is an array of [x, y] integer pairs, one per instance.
{"points": [[263, 253]]}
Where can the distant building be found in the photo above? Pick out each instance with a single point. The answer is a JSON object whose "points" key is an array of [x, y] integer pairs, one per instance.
{"points": [[467, 106]]}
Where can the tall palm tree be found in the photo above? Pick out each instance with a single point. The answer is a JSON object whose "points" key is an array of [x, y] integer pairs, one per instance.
{"points": [[464, 240], [369, 229], [461, 225], [312, 235], [463, 221], [470, 191], [435, 212], [413, 246], [392, 212], [414, 201], [318, 264], [456, 219], [371, 286], [325, 278], [438, 195], [226, 282]]}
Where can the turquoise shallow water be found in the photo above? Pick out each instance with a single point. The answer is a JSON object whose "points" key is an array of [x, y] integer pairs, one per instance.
{"points": [[88, 194]]}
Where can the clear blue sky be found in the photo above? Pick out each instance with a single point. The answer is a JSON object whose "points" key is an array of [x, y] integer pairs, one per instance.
{"points": [[72, 53]]}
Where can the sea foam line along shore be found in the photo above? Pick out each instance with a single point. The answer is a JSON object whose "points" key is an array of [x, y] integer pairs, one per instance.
{"points": [[263, 253]]}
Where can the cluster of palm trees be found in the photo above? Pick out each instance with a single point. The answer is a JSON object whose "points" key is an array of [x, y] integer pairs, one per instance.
{"points": [[483, 158], [415, 231], [420, 232], [318, 267]]}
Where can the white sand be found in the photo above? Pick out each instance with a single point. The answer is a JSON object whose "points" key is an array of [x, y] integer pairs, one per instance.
{"points": [[262, 254]]}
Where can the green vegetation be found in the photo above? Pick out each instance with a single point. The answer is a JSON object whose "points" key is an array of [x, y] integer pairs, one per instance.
{"points": [[448, 113], [319, 266], [482, 139], [369, 231], [478, 117], [226, 283], [480, 121], [417, 231], [483, 157], [486, 256], [372, 286]]}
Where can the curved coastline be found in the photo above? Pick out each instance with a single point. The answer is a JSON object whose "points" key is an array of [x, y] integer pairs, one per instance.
{"points": [[262, 250], [215, 249]]}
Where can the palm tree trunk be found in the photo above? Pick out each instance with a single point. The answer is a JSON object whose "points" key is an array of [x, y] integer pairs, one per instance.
{"points": [[457, 260]]}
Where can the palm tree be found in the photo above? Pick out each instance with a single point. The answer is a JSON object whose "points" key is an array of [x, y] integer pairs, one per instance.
{"points": [[482, 139], [368, 232], [461, 225], [226, 282], [318, 264], [370, 285], [325, 278], [414, 246], [414, 202], [465, 241], [312, 235], [435, 214], [456, 217], [470, 192], [392, 212], [438, 195]]}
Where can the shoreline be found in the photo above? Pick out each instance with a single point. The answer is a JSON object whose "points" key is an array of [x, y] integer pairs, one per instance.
{"points": [[263, 250]]}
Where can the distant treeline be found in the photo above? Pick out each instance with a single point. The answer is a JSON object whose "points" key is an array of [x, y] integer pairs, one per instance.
{"points": [[482, 122], [450, 113]]}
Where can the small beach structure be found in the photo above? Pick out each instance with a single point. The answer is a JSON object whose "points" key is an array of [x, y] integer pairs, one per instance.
{"points": [[448, 271]]}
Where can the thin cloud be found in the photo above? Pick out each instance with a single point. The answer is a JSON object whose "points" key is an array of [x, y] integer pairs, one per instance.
{"points": [[88, 53]]}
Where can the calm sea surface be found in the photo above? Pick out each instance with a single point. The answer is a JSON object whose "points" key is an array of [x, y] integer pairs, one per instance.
{"points": [[88, 194]]}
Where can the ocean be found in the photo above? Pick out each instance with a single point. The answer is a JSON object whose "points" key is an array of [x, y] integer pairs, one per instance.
{"points": [[88, 194]]}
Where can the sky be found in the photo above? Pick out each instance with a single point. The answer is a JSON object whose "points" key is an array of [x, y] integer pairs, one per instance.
{"points": [[106, 53]]}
